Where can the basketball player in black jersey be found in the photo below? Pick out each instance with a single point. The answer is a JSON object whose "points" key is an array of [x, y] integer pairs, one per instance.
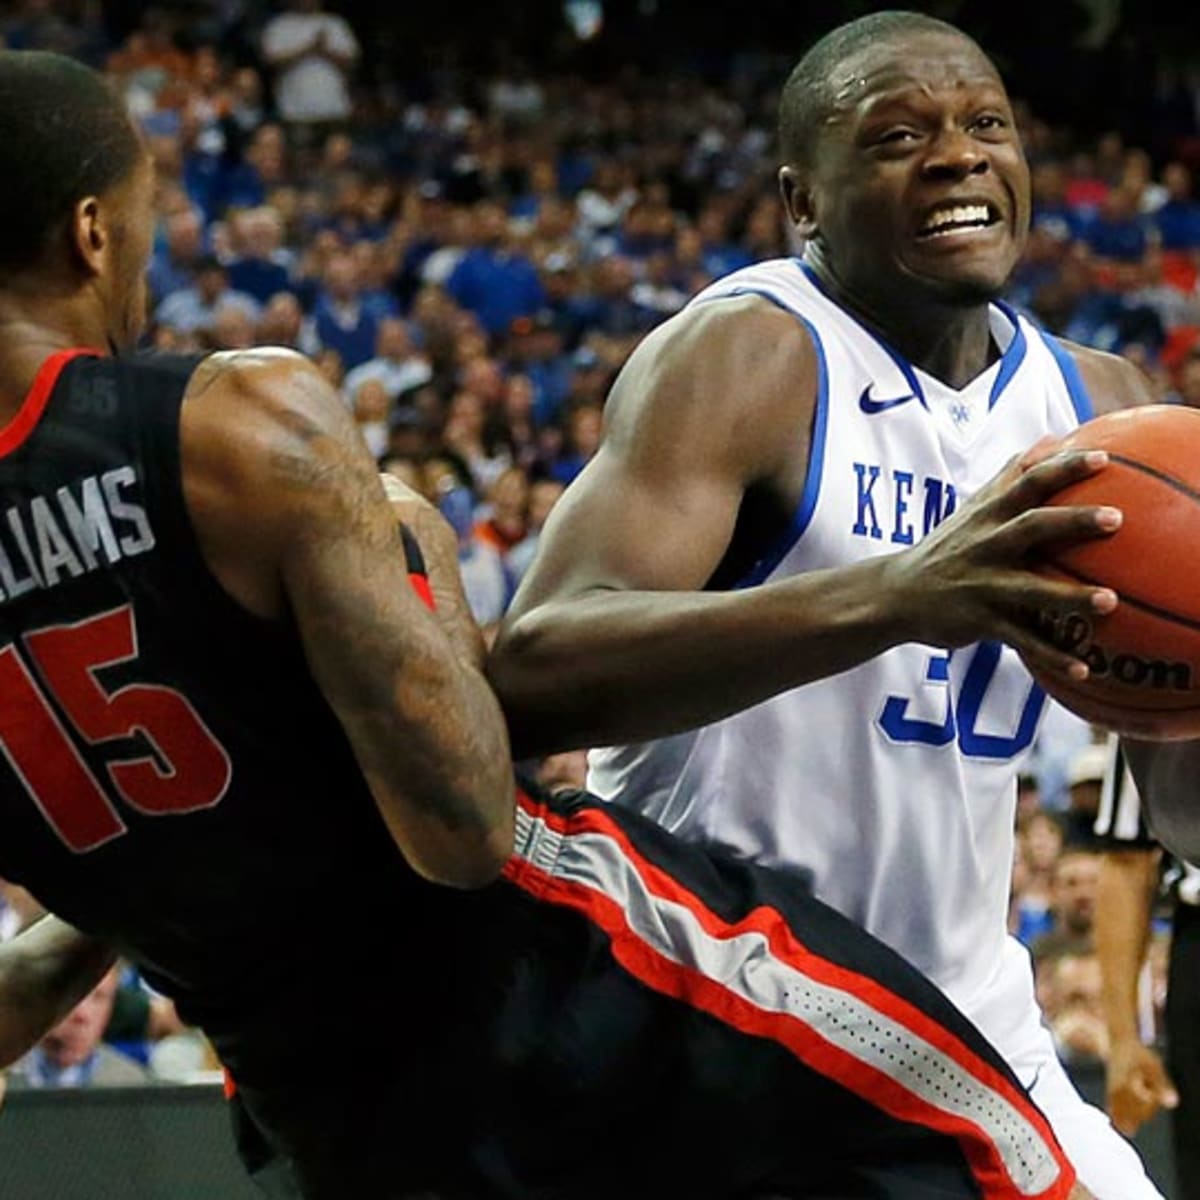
{"points": [[240, 751]]}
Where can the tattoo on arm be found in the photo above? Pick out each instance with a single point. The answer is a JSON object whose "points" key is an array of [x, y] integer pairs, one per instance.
{"points": [[424, 725]]}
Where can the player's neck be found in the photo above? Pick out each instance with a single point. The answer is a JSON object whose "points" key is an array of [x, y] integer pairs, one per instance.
{"points": [[952, 343], [33, 329]]}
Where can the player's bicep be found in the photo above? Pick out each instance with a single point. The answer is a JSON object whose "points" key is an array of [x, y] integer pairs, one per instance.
{"points": [[1111, 381], [699, 414], [622, 527], [426, 732], [342, 574], [368, 638]]}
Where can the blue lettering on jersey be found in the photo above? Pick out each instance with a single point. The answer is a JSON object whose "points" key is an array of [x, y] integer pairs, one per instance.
{"points": [[868, 477], [938, 509], [902, 531], [940, 500]]}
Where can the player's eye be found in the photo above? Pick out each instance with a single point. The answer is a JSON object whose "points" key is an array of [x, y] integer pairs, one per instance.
{"points": [[895, 136], [989, 123]]}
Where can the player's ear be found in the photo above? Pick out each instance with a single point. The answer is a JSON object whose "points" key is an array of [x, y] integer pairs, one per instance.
{"points": [[798, 201], [88, 233]]}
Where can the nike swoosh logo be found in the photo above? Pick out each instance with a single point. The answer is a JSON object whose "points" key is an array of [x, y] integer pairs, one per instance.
{"points": [[877, 406]]}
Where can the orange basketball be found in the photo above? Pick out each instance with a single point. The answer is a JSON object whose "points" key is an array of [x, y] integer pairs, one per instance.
{"points": [[1144, 656]]}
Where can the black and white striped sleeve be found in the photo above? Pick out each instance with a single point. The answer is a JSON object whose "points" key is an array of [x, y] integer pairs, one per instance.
{"points": [[1120, 824]]}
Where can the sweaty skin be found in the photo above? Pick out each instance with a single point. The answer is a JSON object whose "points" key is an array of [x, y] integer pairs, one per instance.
{"points": [[707, 433]]}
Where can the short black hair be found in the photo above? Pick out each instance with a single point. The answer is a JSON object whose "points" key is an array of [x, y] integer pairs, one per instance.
{"points": [[807, 94], [64, 134]]}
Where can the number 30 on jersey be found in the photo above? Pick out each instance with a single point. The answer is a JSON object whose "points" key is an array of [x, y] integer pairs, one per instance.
{"points": [[961, 716]]}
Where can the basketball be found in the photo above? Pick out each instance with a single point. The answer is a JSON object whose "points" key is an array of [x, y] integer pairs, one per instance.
{"points": [[1144, 657]]}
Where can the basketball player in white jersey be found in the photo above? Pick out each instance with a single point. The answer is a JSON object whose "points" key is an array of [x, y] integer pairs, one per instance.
{"points": [[782, 590]]}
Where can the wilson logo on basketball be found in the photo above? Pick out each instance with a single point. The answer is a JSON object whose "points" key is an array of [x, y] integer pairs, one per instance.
{"points": [[1073, 633]]}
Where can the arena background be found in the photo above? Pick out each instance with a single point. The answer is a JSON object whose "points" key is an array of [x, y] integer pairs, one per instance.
{"points": [[655, 118]]}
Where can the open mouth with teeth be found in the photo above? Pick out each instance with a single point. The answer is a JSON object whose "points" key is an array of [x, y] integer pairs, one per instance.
{"points": [[958, 218]]}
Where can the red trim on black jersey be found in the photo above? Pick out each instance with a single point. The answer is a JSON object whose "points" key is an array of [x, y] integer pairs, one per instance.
{"points": [[671, 978], [420, 585], [13, 435]]}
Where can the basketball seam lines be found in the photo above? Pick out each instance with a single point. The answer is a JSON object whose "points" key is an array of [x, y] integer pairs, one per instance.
{"points": [[1161, 476], [1162, 613]]}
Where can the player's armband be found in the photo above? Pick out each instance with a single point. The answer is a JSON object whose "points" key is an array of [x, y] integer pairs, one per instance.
{"points": [[415, 561]]}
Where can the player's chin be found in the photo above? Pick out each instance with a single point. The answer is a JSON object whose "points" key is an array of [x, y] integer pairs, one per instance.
{"points": [[966, 288], [961, 278]]}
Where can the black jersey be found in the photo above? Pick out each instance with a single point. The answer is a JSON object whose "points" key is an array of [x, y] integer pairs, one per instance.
{"points": [[621, 1013], [173, 780]]}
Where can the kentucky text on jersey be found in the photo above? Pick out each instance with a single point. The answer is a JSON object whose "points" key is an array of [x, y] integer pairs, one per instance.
{"points": [[889, 500], [81, 527]]}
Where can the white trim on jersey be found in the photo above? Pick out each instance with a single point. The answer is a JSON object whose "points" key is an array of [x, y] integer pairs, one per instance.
{"points": [[1120, 821], [1119, 816]]}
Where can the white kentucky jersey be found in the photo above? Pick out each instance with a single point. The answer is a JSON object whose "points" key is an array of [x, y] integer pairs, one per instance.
{"points": [[892, 785]]}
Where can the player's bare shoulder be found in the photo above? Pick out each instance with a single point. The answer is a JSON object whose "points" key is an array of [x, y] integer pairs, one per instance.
{"points": [[737, 372], [269, 453], [1112, 382], [268, 382]]}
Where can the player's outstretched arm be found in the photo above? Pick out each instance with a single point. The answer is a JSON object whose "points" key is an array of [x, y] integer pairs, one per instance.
{"points": [[1137, 1082], [713, 406], [293, 519], [44, 972]]}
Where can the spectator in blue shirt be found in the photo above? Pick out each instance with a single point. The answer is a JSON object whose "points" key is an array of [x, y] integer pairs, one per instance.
{"points": [[72, 1054], [340, 319], [536, 351], [1178, 219], [490, 280], [1051, 212], [721, 254], [1118, 231], [194, 309], [584, 425], [173, 266], [261, 269]]}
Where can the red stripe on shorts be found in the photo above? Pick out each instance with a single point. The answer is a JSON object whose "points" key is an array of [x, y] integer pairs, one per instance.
{"points": [[688, 984]]}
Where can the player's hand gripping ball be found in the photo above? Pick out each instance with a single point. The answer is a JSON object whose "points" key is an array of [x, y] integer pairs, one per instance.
{"points": [[1144, 657]]}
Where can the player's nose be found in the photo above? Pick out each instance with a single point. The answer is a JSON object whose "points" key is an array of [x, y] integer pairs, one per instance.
{"points": [[953, 153]]}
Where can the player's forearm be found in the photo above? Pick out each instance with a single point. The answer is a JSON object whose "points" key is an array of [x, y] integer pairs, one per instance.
{"points": [[44, 972], [1122, 927], [455, 807], [610, 666], [429, 736], [1168, 779], [423, 723]]}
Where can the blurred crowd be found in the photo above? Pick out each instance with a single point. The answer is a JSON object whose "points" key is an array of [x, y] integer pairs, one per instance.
{"points": [[470, 260], [1055, 884]]}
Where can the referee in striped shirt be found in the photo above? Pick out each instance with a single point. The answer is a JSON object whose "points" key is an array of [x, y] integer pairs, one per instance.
{"points": [[1135, 875]]}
